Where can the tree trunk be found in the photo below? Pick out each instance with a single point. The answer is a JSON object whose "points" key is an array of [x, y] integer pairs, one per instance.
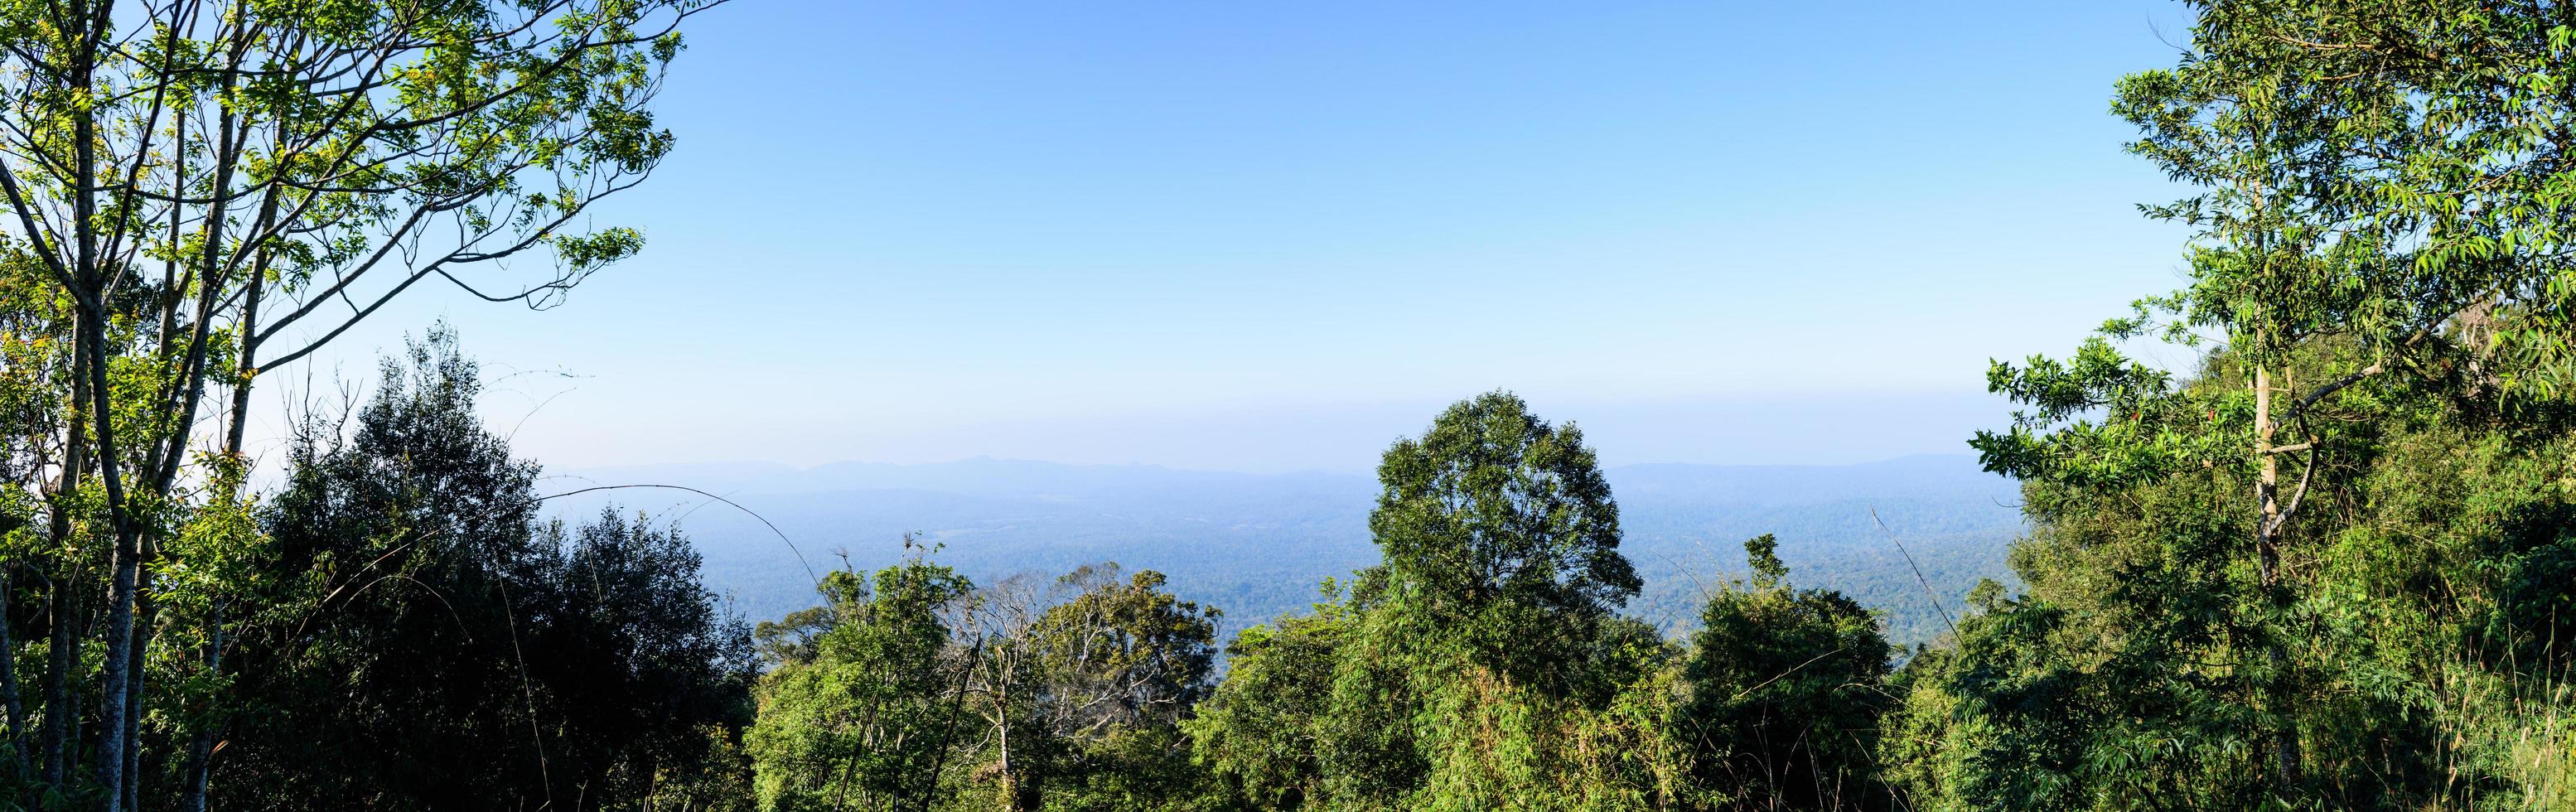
{"points": [[115, 684], [90, 337], [1019, 793], [2267, 550], [132, 788], [125, 567], [63, 588], [10, 701], [58, 658], [201, 742]]}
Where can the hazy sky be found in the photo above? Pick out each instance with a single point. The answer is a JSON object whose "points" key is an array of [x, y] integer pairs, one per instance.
{"points": [[1268, 236]]}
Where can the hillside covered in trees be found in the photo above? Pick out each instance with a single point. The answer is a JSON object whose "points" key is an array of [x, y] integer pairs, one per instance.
{"points": [[2327, 563]]}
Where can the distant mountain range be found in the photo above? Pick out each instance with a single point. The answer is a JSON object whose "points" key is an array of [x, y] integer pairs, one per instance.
{"points": [[1257, 545]]}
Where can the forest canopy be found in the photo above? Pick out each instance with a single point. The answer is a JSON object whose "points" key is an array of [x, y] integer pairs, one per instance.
{"points": [[2329, 562]]}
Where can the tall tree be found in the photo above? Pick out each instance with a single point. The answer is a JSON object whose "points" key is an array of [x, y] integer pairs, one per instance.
{"points": [[645, 670], [1500, 537], [1483, 664], [2382, 254], [427, 643], [210, 189]]}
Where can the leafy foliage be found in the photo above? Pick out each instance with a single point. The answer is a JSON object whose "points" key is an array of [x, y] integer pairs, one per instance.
{"points": [[1786, 692], [1497, 528], [1482, 665], [196, 192], [2276, 582], [2330, 566], [865, 709], [437, 647]]}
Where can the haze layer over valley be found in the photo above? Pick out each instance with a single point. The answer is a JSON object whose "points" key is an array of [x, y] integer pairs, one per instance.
{"points": [[1257, 545]]}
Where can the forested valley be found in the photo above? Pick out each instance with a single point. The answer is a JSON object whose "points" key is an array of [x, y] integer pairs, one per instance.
{"points": [[2330, 563]]}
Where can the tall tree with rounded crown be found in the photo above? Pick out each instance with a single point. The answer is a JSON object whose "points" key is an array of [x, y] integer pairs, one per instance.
{"points": [[1500, 534]]}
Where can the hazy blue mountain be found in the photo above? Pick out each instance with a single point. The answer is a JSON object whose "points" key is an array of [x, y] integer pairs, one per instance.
{"points": [[1257, 545]]}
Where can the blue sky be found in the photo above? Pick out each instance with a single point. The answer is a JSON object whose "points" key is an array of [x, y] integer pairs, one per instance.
{"points": [[1273, 236]]}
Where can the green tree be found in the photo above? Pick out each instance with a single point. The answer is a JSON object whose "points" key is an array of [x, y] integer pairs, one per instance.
{"points": [[917, 690], [1501, 575], [430, 644], [648, 679], [1501, 541], [1082, 687], [2231, 595], [1482, 665], [868, 709], [192, 190], [2136, 670], [1261, 731], [1786, 692], [1121, 662]]}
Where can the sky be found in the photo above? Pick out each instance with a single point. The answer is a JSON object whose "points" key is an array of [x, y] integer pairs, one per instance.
{"points": [[1277, 236]]}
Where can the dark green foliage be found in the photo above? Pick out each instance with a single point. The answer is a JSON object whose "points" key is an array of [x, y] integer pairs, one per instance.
{"points": [[1786, 692], [2135, 671], [643, 670], [1498, 530], [2090, 685], [442, 650], [1501, 575]]}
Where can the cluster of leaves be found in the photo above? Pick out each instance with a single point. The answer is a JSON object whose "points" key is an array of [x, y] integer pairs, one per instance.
{"points": [[2413, 648], [1485, 663], [912, 688], [192, 192], [1787, 691], [2325, 569], [426, 642], [2331, 567]]}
